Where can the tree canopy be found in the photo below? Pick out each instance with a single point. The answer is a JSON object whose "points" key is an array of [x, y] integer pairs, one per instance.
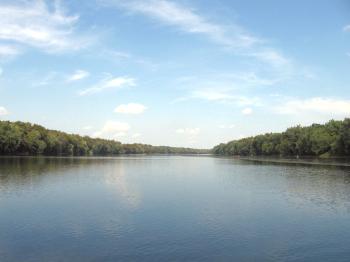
{"points": [[330, 139], [19, 138]]}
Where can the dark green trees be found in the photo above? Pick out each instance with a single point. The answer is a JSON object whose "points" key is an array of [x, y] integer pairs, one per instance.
{"points": [[18, 138], [330, 139], [10, 138]]}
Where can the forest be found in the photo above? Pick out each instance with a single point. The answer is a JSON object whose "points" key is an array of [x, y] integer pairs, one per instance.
{"points": [[330, 139], [19, 138]]}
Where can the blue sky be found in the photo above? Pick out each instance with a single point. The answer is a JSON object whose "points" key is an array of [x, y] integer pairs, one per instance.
{"points": [[179, 73]]}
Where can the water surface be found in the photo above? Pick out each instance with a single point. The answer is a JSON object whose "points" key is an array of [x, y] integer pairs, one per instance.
{"points": [[172, 208]]}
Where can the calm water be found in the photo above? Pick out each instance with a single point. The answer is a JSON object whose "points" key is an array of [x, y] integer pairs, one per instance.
{"points": [[170, 209]]}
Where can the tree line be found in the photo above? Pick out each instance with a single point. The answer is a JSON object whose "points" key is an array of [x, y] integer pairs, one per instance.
{"points": [[19, 138], [330, 139]]}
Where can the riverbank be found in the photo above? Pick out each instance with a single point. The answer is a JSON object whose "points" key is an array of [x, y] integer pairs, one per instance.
{"points": [[332, 162]]}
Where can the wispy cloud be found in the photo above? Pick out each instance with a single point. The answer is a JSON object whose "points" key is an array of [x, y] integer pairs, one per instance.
{"points": [[217, 95], [87, 128], [230, 126], [247, 111], [37, 24], [78, 75], [272, 57], [113, 130], [3, 111], [49, 78], [346, 28], [315, 105], [136, 135], [212, 95], [116, 55], [189, 21], [109, 83], [131, 108], [52, 77], [8, 51], [235, 88], [127, 57], [273, 64], [188, 131], [250, 79]]}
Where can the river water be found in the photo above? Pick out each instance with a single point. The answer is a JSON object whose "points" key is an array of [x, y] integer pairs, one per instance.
{"points": [[172, 208]]}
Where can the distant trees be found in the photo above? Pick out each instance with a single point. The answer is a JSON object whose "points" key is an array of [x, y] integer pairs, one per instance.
{"points": [[330, 139], [19, 138], [10, 138]]}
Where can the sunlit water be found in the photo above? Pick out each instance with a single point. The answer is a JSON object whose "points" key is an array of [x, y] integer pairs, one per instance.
{"points": [[172, 208]]}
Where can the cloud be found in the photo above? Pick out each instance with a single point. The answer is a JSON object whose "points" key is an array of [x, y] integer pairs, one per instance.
{"points": [[131, 108], [8, 51], [37, 24], [250, 79], [228, 88], [212, 94], [87, 128], [136, 135], [272, 57], [116, 55], [247, 111], [318, 105], [231, 36], [346, 28], [113, 130], [227, 126], [190, 134], [189, 21], [3, 111], [47, 79], [78, 75], [109, 83], [188, 131]]}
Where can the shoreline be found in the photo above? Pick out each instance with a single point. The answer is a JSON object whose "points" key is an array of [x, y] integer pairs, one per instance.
{"points": [[307, 161], [302, 161]]}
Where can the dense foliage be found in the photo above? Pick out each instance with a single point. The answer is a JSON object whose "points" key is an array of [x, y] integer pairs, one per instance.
{"points": [[18, 138], [330, 139]]}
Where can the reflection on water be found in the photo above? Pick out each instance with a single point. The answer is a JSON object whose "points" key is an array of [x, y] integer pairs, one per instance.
{"points": [[326, 188], [171, 208], [116, 179]]}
